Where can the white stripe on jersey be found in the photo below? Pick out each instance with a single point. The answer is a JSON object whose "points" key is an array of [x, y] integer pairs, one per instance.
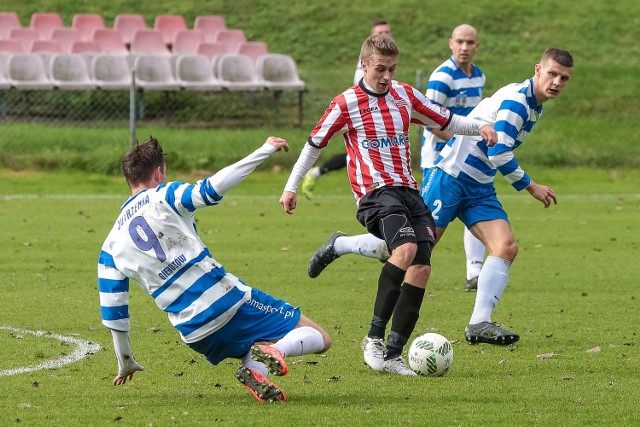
{"points": [[375, 128], [450, 87], [513, 111]]}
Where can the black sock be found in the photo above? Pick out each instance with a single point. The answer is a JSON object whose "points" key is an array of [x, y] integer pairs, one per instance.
{"points": [[405, 317], [389, 289], [337, 162]]}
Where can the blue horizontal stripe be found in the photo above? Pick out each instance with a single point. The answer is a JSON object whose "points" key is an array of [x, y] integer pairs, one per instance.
{"points": [[114, 313], [113, 286], [106, 258], [508, 167], [498, 148], [506, 127], [180, 272], [438, 86], [516, 107], [528, 125], [212, 312], [187, 199], [476, 163], [208, 193], [196, 290], [522, 183]]}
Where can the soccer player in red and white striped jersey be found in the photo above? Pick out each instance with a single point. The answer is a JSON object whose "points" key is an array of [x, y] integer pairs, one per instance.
{"points": [[374, 117]]}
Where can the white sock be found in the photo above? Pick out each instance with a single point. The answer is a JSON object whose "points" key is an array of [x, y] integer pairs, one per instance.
{"points": [[314, 172], [474, 250], [363, 244], [248, 362], [302, 340], [491, 283]]}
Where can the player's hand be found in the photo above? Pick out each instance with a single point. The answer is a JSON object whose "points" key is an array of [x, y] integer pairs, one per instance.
{"points": [[543, 193], [288, 201], [489, 134], [278, 143], [127, 374]]}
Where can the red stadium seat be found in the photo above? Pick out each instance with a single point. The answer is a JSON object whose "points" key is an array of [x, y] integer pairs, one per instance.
{"points": [[209, 25], [10, 46], [8, 21], [127, 24], [44, 23], [232, 38], [65, 36], [87, 24], [253, 50], [168, 26], [25, 36], [187, 41], [148, 42], [212, 49], [110, 41]]}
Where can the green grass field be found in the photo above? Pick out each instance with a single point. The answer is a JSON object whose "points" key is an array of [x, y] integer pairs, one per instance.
{"points": [[572, 294]]}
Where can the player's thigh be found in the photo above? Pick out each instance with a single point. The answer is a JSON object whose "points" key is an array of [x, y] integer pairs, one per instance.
{"points": [[442, 195], [495, 234]]}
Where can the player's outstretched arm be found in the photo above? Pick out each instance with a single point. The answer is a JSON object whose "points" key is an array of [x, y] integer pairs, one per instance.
{"points": [[543, 193]]}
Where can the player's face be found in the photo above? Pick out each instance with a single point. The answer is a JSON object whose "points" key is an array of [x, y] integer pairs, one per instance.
{"points": [[549, 79], [379, 71], [464, 44], [382, 29]]}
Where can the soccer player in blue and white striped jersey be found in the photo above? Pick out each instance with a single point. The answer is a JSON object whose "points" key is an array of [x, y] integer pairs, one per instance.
{"points": [[461, 185], [154, 241], [456, 84]]}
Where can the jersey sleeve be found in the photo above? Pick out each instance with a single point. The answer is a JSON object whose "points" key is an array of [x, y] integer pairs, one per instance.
{"points": [[185, 198], [510, 119], [113, 287], [333, 122], [426, 113]]}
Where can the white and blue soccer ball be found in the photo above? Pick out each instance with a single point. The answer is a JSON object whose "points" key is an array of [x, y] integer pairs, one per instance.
{"points": [[431, 355]]}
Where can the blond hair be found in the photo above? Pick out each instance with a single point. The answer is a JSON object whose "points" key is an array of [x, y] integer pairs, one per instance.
{"points": [[378, 45]]}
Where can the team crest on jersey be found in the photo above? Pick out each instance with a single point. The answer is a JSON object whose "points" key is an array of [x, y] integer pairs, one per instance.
{"points": [[400, 103], [443, 111], [461, 99]]}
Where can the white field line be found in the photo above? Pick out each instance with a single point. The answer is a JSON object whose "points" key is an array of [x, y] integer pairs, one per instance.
{"points": [[599, 196], [83, 349]]}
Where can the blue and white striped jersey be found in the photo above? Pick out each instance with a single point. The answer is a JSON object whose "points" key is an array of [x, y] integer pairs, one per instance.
{"points": [[154, 241], [513, 111], [450, 87]]}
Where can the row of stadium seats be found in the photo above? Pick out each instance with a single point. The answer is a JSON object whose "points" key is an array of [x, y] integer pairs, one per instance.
{"points": [[228, 71], [43, 23]]}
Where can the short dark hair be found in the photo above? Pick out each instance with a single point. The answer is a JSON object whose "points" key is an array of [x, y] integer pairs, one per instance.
{"points": [[561, 56], [379, 22], [141, 160]]}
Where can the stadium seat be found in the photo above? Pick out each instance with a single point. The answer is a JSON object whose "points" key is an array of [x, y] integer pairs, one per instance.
{"points": [[8, 21], [69, 71], [209, 25], [4, 61], [80, 46], [232, 38], [44, 23], [111, 72], [10, 46], [168, 26], [110, 41], [194, 72], [279, 72], [237, 73], [153, 72], [25, 36], [65, 36], [47, 46], [253, 50], [127, 24], [26, 71], [148, 42], [87, 24], [187, 41], [212, 49]]}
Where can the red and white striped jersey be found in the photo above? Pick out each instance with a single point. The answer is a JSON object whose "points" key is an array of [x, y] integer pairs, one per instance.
{"points": [[375, 128]]}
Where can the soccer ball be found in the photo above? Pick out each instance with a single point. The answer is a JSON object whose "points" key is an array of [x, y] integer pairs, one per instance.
{"points": [[431, 355]]}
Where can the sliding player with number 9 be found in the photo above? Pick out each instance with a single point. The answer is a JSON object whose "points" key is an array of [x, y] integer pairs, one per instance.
{"points": [[154, 241]]}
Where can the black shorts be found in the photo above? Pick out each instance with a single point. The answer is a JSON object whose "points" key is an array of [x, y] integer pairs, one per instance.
{"points": [[398, 215]]}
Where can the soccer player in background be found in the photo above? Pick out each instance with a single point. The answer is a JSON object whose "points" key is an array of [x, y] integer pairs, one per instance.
{"points": [[154, 241], [339, 161], [374, 118], [456, 84]]}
